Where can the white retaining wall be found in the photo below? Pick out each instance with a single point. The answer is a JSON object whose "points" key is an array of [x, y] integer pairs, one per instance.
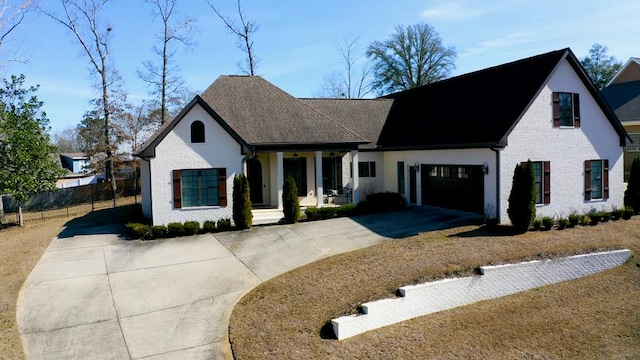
{"points": [[494, 281]]}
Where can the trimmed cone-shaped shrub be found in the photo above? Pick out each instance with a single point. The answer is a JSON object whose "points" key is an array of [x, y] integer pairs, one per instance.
{"points": [[290, 203], [242, 216], [632, 194], [522, 199]]}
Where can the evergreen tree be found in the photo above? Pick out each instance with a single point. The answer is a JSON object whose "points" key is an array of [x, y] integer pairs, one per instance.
{"points": [[26, 167], [632, 194], [522, 199], [242, 215], [290, 201]]}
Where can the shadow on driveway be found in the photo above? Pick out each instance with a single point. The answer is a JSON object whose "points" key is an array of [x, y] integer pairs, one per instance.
{"points": [[413, 220], [106, 221]]}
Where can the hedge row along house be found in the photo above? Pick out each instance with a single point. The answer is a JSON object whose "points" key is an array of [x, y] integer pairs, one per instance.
{"points": [[451, 144]]}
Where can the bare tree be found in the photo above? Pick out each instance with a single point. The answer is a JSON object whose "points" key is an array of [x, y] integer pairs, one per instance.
{"points": [[84, 19], [11, 16], [354, 81], [162, 78], [244, 31], [67, 140]]}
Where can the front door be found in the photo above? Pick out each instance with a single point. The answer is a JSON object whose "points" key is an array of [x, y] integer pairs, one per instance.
{"points": [[254, 173]]}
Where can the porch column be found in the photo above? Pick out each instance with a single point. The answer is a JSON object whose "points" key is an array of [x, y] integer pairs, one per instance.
{"points": [[355, 182], [319, 189], [244, 166], [280, 177]]}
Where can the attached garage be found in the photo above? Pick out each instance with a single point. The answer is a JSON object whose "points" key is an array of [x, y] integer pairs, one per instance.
{"points": [[459, 187]]}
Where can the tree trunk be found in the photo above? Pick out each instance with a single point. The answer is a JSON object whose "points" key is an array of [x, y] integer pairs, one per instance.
{"points": [[20, 218], [2, 220]]}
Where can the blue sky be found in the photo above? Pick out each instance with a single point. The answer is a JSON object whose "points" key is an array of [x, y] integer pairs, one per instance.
{"points": [[295, 42]]}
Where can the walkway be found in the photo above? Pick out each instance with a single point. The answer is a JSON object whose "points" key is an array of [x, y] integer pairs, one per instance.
{"points": [[94, 295]]}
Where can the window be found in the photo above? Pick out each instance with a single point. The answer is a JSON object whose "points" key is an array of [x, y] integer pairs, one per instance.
{"points": [[635, 146], [199, 187], [197, 132], [462, 173], [596, 179], [542, 175], [433, 171], [367, 169], [566, 109], [401, 177], [444, 171]]}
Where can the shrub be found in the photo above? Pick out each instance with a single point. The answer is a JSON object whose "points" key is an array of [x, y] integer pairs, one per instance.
{"points": [[137, 230], [537, 224], [522, 199], [191, 227], [175, 229], [616, 214], [627, 213], [327, 212], [312, 213], [224, 224], [574, 219], [585, 220], [346, 210], [158, 231], [208, 226], [290, 203], [605, 216], [547, 222], [562, 223], [632, 193], [594, 217], [242, 216]]}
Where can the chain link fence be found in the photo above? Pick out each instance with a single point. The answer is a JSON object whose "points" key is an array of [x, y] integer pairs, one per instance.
{"points": [[71, 201]]}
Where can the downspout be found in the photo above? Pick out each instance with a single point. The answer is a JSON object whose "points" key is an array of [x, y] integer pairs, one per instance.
{"points": [[497, 151]]}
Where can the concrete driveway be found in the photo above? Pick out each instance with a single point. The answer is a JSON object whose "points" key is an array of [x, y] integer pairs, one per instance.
{"points": [[95, 295]]}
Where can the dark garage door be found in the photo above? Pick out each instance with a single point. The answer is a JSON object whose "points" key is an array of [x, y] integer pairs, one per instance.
{"points": [[459, 187]]}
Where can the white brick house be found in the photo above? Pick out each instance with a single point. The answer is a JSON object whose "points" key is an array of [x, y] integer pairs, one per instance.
{"points": [[452, 144]]}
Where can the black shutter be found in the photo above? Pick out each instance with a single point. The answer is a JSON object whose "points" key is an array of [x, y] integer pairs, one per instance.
{"points": [[222, 186], [605, 179], [576, 110], [556, 109], [587, 180], [177, 190], [547, 182]]}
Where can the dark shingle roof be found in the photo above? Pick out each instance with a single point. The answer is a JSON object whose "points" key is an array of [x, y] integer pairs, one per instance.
{"points": [[478, 109], [624, 98], [364, 116], [261, 113]]}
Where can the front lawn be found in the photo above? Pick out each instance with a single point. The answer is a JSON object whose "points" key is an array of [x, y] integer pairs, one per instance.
{"points": [[595, 317]]}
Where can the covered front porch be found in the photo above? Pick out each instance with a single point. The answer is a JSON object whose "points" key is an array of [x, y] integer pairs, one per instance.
{"points": [[323, 177]]}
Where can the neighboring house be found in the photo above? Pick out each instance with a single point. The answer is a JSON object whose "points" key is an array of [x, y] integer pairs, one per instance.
{"points": [[454, 144], [623, 95], [77, 166]]}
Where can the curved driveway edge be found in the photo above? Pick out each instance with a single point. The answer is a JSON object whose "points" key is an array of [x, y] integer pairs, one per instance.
{"points": [[99, 296]]}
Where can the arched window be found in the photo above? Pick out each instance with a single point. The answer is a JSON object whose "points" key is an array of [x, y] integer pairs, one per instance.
{"points": [[197, 132]]}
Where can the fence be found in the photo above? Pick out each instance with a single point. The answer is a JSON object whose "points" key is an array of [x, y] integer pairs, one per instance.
{"points": [[70, 201]]}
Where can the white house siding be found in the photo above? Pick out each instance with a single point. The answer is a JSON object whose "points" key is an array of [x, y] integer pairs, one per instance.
{"points": [[463, 157], [534, 138], [176, 152], [370, 185], [145, 182]]}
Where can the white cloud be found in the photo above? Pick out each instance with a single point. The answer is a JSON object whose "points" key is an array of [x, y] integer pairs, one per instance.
{"points": [[509, 40], [461, 10]]}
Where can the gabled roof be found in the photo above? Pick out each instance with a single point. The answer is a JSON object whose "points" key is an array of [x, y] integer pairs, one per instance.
{"points": [[366, 116], [263, 114], [630, 71], [624, 98], [478, 109]]}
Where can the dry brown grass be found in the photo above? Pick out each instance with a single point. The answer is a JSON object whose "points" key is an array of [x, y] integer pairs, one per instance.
{"points": [[597, 317]]}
